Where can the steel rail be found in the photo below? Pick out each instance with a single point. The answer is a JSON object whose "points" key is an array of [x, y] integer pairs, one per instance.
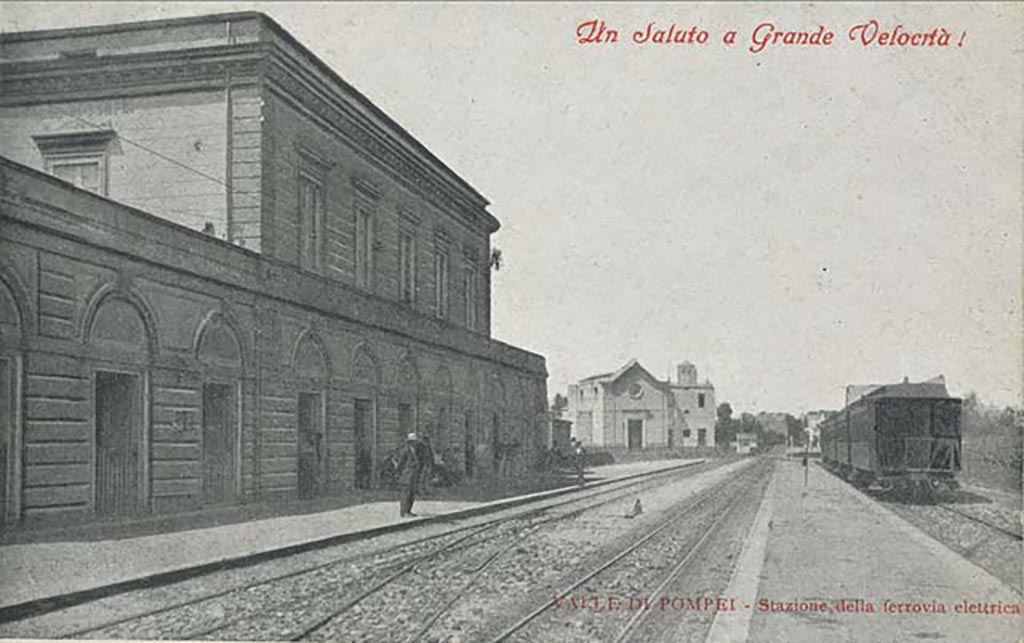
{"points": [[640, 615], [323, 621], [601, 491], [705, 497], [1009, 532]]}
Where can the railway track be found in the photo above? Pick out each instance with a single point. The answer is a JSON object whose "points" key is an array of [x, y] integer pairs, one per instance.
{"points": [[385, 566], [366, 616], [1015, 534], [719, 504]]}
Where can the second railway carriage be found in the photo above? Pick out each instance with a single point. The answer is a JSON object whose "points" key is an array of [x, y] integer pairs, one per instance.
{"points": [[897, 436]]}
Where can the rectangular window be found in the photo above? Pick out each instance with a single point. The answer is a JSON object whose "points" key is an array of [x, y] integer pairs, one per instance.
{"points": [[364, 248], [85, 171], [700, 400], [702, 437], [469, 288], [80, 158], [311, 222], [441, 283], [407, 268]]}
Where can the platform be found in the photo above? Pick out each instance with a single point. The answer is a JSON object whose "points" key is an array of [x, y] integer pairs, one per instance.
{"points": [[825, 542], [35, 571]]}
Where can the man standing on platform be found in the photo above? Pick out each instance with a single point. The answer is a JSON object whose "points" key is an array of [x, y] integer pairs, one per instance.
{"points": [[425, 452], [579, 454], [410, 467]]}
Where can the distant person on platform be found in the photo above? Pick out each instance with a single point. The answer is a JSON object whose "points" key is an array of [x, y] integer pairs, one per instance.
{"points": [[410, 467], [578, 454]]}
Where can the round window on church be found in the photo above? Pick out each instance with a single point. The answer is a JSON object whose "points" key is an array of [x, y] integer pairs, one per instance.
{"points": [[636, 391]]}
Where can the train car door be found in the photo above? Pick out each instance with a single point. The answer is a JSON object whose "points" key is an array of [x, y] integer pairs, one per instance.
{"points": [[635, 434], [118, 442], [310, 434], [219, 439], [362, 446]]}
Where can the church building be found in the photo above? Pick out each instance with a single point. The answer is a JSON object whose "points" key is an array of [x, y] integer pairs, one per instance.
{"points": [[631, 409]]}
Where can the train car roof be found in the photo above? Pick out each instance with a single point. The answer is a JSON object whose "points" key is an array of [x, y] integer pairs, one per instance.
{"points": [[934, 390]]}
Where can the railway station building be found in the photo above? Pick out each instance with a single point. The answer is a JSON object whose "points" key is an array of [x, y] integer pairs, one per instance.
{"points": [[630, 409], [226, 276]]}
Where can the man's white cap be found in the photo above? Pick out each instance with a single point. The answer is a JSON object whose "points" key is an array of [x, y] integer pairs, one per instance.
{"points": [[411, 436]]}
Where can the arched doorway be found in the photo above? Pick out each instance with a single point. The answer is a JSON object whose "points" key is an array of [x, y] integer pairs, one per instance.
{"points": [[10, 458], [312, 374], [408, 380], [470, 421], [220, 356], [496, 400], [366, 379], [119, 343], [444, 435]]}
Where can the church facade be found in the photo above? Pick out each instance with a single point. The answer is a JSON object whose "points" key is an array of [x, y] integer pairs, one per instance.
{"points": [[633, 410]]}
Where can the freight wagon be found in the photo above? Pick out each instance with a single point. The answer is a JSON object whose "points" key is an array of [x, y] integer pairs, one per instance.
{"points": [[897, 437]]}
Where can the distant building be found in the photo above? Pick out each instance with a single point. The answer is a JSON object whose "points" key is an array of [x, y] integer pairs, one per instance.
{"points": [[812, 427], [745, 443], [631, 408]]}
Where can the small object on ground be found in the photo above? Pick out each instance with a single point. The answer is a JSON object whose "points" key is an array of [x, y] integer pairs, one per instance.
{"points": [[637, 509]]}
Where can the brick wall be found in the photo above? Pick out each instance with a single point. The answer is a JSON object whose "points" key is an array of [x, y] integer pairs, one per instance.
{"points": [[75, 251]]}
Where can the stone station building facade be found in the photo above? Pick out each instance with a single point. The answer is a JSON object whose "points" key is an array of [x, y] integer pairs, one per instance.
{"points": [[226, 276]]}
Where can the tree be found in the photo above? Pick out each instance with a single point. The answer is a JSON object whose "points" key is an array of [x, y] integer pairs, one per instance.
{"points": [[765, 438], [559, 404], [724, 412], [725, 429], [795, 433]]}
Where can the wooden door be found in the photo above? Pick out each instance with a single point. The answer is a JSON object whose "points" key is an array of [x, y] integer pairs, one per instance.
{"points": [[309, 436], [363, 444], [118, 443], [496, 442], [6, 436], [469, 444], [219, 439], [635, 433]]}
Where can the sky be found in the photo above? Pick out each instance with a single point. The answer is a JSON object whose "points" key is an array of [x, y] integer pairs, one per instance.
{"points": [[791, 221]]}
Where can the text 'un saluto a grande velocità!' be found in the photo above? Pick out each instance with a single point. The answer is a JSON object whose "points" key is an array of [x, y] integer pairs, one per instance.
{"points": [[768, 35]]}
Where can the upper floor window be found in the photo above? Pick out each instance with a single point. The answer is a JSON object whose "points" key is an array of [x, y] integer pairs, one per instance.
{"points": [[469, 279], [407, 267], [441, 283], [84, 171], [80, 158], [365, 234], [700, 400], [311, 221]]}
